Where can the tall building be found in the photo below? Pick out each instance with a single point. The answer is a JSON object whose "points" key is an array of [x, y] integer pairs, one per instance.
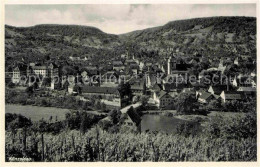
{"points": [[171, 65], [18, 72]]}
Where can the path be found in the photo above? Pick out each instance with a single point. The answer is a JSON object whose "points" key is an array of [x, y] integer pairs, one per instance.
{"points": [[125, 109]]}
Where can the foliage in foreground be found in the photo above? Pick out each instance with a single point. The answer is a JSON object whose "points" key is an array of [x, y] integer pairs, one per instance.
{"points": [[96, 145], [222, 139]]}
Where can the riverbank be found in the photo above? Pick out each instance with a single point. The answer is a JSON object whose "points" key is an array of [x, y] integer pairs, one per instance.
{"points": [[201, 119]]}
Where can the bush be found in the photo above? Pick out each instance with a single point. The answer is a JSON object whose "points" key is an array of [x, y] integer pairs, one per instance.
{"points": [[10, 85], [186, 103], [81, 120], [105, 124], [14, 121], [232, 127], [187, 128]]}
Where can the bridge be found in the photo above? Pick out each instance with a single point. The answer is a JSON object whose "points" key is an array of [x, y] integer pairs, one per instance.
{"points": [[125, 109]]}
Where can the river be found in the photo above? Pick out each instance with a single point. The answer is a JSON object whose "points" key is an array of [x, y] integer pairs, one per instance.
{"points": [[160, 123]]}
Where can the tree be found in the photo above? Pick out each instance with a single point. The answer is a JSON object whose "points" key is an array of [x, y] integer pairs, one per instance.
{"points": [[214, 104], [29, 90], [84, 123], [124, 89], [115, 116], [50, 119], [97, 104], [46, 81], [105, 124], [186, 103], [14, 121], [67, 70], [77, 89], [11, 85], [103, 107]]}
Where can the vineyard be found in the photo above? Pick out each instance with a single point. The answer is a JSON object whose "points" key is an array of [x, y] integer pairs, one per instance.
{"points": [[99, 145]]}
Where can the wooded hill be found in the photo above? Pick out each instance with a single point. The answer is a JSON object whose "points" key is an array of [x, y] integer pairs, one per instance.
{"points": [[213, 36]]}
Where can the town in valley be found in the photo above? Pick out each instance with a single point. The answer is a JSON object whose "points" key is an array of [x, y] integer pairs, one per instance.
{"points": [[74, 93]]}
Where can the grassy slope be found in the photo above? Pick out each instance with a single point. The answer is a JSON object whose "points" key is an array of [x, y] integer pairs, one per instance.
{"points": [[211, 34]]}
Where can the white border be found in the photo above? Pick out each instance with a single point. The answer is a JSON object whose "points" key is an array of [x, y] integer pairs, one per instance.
{"points": [[105, 164]]}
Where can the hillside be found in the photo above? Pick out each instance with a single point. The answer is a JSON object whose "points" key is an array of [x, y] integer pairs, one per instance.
{"points": [[213, 36], [56, 41]]}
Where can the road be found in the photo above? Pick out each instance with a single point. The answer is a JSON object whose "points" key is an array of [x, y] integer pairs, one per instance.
{"points": [[125, 109]]}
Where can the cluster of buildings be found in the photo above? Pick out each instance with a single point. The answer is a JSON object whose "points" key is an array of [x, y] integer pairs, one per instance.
{"points": [[162, 81]]}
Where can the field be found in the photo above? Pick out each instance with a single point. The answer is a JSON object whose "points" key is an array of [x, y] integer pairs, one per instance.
{"points": [[36, 113], [103, 146]]}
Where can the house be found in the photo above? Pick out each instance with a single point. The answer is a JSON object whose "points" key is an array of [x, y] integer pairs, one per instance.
{"points": [[205, 97], [138, 88], [242, 81], [71, 79], [110, 77], [132, 120], [253, 82], [130, 62], [197, 85], [229, 96], [73, 58], [84, 74], [199, 92], [176, 66], [245, 57], [134, 68], [253, 73], [173, 88], [85, 77], [118, 65], [123, 56], [245, 81], [221, 67], [151, 79], [16, 75], [163, 100], [92, 70], [247, 91], [55, 83], [185, 90], [74, 89], [149, 65], [157, 87], [46, 70], [201, 75], [234, 82], [106, 93], [141, 66], [103, 92], [18, 72], [218, 89], [155, 90], [236, 61], [85, 58]]}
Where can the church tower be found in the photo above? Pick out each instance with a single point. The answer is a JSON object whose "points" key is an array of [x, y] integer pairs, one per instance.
{"points": [[171, 65]]}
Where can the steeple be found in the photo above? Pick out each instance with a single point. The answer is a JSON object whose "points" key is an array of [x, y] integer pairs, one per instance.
{"points": [[171, 65]]}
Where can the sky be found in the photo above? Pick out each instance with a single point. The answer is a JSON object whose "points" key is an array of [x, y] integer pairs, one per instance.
{"points": [[118, 18]]}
